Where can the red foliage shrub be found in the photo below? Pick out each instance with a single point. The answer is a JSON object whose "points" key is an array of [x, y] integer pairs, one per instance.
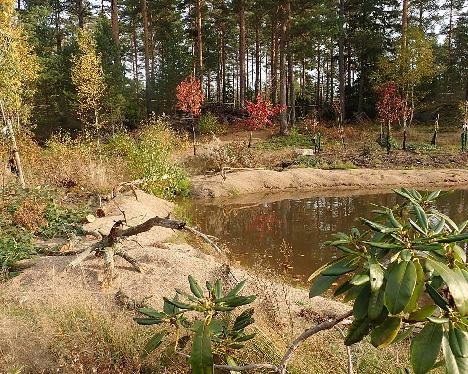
{"points": [[391, 106], [260, 113], [190, 96]]}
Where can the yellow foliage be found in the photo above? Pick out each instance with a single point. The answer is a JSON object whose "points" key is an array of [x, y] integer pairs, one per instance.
{"points": [[18, 64], [412, 65], [88, 78]]}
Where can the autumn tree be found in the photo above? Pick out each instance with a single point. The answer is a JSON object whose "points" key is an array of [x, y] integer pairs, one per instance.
{"points": [[18, 72], [390, 108], [412, 65], [88, 78]]}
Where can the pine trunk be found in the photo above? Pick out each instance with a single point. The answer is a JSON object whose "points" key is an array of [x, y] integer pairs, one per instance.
{"points": [[283, 68], [242, 72], [257, 61], [144, 13], [115, 22], [199, 41], [341, 64]]}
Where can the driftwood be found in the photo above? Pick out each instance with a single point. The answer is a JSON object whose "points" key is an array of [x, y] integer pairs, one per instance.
{"points": [[111, 245]]}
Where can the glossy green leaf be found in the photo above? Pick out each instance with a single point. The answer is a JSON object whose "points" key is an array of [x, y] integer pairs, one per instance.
{"points": [[341, 267], [425, 348], [345, 287], [237, 289], [359, 279], [455, 347], [218, 289], [321, 284], [417, 227], [153, 343], [376, 305], [150, 312], [237, 300], [422, 217], [456, 283], [361, 304], [400, 286], [353, 292], [201, 358], [384, 334], [421, 314], [357, 331], [438, 320], [403, 335], [178, 304], [383, 245], [418, 289], [436, 297], [376, 275], [391, 218], [454, 238], [378, 227], [194, 287]]}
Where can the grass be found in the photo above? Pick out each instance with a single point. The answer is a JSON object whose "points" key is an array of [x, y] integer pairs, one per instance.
{"points": [[293, 140]]}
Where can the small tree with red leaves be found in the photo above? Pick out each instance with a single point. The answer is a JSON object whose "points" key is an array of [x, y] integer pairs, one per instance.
{"points": [[260, 113], [190, 99], [391, 108], [190, 96]]}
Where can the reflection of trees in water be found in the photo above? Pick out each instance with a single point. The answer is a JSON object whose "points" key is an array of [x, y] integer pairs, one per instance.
{"points": [[302, 224]]}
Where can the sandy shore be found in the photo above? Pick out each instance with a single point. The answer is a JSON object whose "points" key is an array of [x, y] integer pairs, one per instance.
{"points": [[270, 181]]}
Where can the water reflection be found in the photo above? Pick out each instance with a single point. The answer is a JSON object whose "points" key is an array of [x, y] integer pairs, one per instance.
{"points": [[259, 230]]}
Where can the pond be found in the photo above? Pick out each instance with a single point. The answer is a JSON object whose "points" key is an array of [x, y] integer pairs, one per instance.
{"points": [[286, 233]]}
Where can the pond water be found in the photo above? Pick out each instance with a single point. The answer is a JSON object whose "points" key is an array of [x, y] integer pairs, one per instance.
{"points": [[286, 234]]}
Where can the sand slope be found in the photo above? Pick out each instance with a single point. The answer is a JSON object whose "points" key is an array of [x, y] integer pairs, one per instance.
{"points": [[263, 181]]}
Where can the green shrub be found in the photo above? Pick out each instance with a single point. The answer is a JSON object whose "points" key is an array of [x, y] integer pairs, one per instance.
{"points": [[149, 157], [29, 215], [293, 140], [207, 318], [405, 271], [209, 124]]}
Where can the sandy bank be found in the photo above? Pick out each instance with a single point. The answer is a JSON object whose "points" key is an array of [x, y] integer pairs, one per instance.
{"points": [[270, 181]]}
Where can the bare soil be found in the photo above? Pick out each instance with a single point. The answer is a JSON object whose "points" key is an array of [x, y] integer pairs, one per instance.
{"points": [[306, 179]]}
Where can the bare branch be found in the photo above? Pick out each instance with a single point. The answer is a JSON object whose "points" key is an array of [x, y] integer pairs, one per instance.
{"points": [[129, 259], [204, 237], [306, 335], [247, 367], [348, 352]]}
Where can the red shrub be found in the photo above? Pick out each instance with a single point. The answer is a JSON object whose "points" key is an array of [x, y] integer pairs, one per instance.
{"points": [[391, 106], [190, 96], [260, 113]]}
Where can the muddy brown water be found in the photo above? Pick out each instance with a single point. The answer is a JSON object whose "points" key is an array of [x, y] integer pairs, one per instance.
{"points": [[286, 233]]}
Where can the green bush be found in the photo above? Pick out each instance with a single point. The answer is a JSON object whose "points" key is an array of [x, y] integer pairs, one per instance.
{"points": [[207, 318], [149, 157], [293, 140], [405, 271], [209, 124], [29, 215]]}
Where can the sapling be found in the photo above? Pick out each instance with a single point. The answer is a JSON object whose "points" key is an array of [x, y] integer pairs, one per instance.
{"points": [[436, 129], [190, 99], [464, 134]]}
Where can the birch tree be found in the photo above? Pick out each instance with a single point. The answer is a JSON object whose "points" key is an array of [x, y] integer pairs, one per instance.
{"points": [[88, 78], [18, 72]]}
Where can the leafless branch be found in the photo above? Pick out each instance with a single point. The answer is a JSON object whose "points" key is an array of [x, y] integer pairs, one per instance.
{"points": [[306, 335]]}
